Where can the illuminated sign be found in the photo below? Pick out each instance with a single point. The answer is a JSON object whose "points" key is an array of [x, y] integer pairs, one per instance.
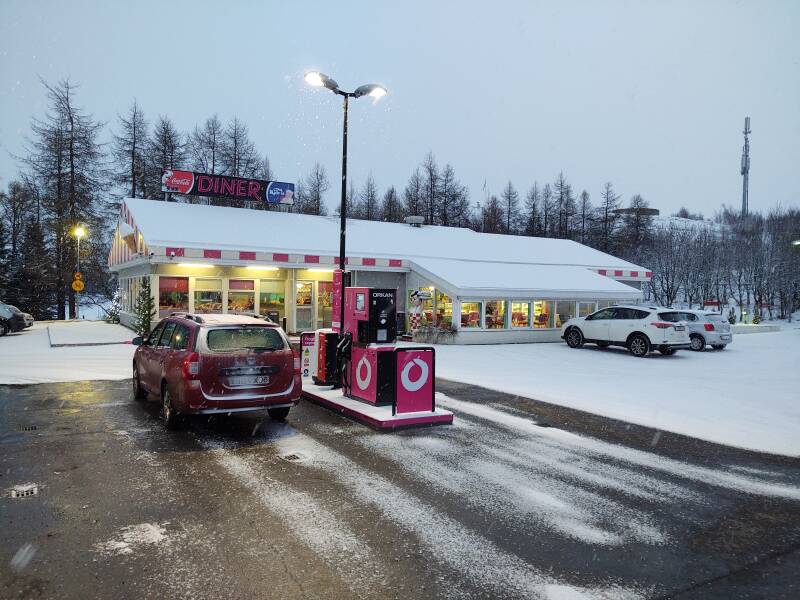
{"points": [[190, 183]]}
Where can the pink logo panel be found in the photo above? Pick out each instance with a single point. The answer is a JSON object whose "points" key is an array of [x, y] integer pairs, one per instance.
{"points": [[415, 375]]}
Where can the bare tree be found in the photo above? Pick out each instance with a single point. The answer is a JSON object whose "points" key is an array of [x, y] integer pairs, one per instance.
{"points": [[607, 217], [166, 150], [413, 194], [494, 218], [430, 174], [205, 146], [584, 216], [391, 210], [315, 184], [239, 157], [510, 198], [17, 208], [533, 202], [548, 207], [128, 148], [369, 199]]}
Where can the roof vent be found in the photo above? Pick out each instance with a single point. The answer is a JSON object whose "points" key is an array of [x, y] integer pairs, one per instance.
{"points": [[415, 221]]}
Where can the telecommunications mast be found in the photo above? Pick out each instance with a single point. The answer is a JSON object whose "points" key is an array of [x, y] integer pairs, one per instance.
{"points": [[746, 166]]}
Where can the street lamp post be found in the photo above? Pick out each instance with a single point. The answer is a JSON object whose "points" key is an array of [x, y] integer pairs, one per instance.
{"points": [[376, 91], [78, 232]]}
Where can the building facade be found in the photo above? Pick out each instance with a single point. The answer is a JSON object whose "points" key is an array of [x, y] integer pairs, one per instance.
{"points": [[471, 287]]}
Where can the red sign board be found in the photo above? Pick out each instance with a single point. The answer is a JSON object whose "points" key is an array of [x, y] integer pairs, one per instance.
{"points": [[191, 183]]}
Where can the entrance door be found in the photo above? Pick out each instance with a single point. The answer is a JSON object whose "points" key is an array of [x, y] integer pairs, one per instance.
{"points": [[304, 306]]}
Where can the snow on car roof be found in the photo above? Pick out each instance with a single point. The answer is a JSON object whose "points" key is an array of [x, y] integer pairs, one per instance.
{"points": [[200, 226]]}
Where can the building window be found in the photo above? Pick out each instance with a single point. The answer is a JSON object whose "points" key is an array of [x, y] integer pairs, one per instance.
{"points": [[495, 316], [564, 312], [470, 314], [444, 310], [208, 296], [272, 300], [520, 314], [586, 308], [241, 296], [543, 314], [324, 303], [173, 295]]}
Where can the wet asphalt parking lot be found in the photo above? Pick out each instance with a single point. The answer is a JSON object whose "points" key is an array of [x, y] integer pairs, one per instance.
{"points": [[517, 499]]}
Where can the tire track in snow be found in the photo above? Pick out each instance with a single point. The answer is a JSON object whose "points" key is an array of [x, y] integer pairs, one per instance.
{"points": [[487, 567], [683, 470], [514, 489], [307, 519]]}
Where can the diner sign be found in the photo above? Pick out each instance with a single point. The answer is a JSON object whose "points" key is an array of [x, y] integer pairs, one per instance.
{"points": [[191, 183]]}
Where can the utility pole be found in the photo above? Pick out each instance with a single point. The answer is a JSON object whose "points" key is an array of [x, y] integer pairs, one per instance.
{"points": [[746, 167]]}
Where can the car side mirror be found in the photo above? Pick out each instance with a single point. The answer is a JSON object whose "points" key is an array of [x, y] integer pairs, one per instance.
{"points": [[139, 341]]}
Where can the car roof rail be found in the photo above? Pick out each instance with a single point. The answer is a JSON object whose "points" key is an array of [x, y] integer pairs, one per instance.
{"points": [[186, 315]]}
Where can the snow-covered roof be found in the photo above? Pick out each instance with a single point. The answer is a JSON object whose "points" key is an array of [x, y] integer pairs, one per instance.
{"points": [[199, 226], [486, 279]]}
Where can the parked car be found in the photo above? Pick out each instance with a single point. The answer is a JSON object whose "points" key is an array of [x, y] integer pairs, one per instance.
{"points": [[26, 317], [705, 328], [638, 328], [206, 364], [12, 319]]}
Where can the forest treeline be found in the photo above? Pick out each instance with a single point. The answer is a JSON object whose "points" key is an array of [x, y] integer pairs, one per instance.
{"points": [[69, 175]]}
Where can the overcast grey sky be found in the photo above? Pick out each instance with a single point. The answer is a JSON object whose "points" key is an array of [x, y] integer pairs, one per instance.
{"points": [[649, 95]]}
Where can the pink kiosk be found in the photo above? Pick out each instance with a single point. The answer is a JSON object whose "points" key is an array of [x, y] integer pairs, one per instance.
{"points": [[383, 384]]}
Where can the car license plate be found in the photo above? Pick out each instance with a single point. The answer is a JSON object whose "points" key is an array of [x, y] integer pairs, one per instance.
{"points": [[680, 328], [725, 337], [242, 380]]}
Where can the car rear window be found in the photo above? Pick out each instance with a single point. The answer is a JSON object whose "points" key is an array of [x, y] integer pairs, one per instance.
{"points": [[244, 338], [672, 316], [716, 318]]}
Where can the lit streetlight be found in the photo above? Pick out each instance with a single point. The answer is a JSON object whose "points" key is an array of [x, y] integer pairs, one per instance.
{"points": [[317, 79], [79, 232]]}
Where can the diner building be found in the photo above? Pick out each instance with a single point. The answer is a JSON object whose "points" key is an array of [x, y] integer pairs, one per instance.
{"points": [[476, 287]]}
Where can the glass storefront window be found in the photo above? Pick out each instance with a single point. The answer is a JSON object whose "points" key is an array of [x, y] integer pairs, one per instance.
{"points": [[520, 314], [586, 308], [564, 312], [470, 314], [542, 314], [241, 296], [208, 296], [304, 307], [495, 316], [444, 310], [324, 303], [173, 295], [272, 300]]}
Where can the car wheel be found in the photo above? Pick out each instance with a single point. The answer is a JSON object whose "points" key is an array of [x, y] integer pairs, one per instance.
{"points": [[639, 345], [278, 414], [718, 346], [574, 338], [698, 343], [168, 414], [3, 329], [667, 351], [138, 392]]}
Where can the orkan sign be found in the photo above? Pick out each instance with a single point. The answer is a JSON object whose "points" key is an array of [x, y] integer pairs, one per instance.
{"points": [[222, 186]]}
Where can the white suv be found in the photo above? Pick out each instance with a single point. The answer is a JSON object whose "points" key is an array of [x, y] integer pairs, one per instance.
{"points": [[639, 328]]}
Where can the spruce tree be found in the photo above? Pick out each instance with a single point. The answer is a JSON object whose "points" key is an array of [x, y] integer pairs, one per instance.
{"points": [[144, 308]]}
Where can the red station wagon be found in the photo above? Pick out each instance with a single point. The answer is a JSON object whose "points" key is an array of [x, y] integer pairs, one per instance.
{"points": [[207, 364]]}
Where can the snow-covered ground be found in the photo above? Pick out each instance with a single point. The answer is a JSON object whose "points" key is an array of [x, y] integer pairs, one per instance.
{"points": [[745, 396], [87, 332], [26, 357]]}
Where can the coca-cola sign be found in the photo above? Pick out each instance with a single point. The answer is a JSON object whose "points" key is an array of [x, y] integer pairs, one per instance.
{"points": [[190, 183]]}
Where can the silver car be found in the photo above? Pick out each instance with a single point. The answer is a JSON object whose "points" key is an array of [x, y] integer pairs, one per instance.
{"points": [[705, 328]]}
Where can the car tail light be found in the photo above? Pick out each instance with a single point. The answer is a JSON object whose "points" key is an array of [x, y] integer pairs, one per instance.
{"points": [[296, 357], [661, 324], [708, 326], [191, 366]]}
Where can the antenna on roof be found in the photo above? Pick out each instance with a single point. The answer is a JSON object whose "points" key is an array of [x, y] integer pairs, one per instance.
{"points": [[746, 167]]}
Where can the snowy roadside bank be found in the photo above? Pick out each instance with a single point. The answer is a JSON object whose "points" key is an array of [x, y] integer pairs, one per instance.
{"points": [[744, 396], [26, 357]]}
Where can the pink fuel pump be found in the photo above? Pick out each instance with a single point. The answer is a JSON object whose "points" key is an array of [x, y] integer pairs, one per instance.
{"points": [[374, 368]]}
